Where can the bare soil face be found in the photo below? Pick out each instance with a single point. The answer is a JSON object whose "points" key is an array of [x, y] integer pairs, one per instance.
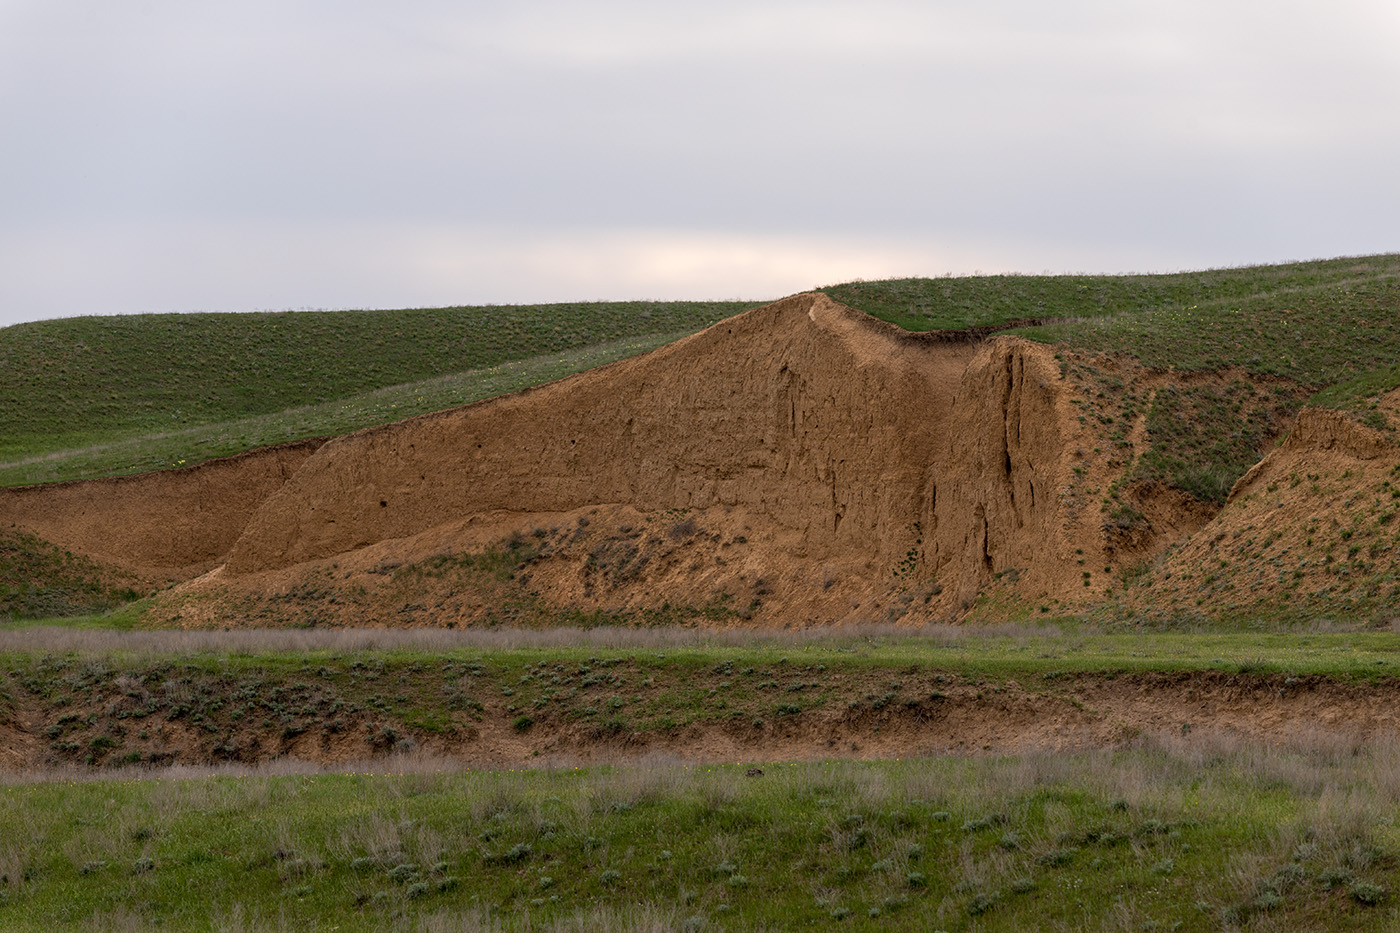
{"points": [[136, 719], [799, 464], [161, 527]]}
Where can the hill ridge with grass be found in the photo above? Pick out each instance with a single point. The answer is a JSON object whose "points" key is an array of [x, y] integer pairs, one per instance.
{"points": [[236, 381], [1151, 395]]}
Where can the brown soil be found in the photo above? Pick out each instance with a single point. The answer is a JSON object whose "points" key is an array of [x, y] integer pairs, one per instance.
{"points": [[818, 417], [941, 715], [799, 464], [164, 526]]}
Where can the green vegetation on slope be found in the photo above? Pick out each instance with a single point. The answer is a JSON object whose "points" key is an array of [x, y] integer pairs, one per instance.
{"points": [[1315, 336], [195, 444], [1316, 323], [39, 580], [995, 300], [1360, 396], [165, 388]]}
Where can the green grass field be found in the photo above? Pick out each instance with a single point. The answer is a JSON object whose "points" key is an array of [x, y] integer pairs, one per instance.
{"points": [[1172, 832], [1125, 313], [1162, 837]]}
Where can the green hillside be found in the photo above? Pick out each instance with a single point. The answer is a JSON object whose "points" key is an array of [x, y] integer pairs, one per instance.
{"points": [[96, 396], [1325, 328], [1150, 316]]}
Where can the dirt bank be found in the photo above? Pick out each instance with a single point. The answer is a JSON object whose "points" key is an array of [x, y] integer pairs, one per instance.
{"points": [[815, 416], [799, 464], [619, 708], [165, 526]]}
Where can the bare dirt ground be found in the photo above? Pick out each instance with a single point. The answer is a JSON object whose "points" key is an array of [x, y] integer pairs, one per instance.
{"points": [[164, 526]]}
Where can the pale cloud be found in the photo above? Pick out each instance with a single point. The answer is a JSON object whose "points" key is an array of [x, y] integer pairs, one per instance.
{"points": [[165, 155], [229, 267]]}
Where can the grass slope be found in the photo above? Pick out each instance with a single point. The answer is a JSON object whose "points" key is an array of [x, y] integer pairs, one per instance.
{"points": [[152, 390], [191, 445], [1308, 321], [1316, 336], [38, 580], [1321, 324], [1322, 329]]}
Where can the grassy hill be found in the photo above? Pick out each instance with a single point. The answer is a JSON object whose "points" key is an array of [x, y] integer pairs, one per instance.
{"points": [[1323, 330], [1317, 323], [922, 304], [97, 396], [101, 396]]}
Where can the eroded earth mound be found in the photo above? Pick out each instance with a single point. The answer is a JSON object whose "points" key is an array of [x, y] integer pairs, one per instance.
{"points": [[802, 463]]}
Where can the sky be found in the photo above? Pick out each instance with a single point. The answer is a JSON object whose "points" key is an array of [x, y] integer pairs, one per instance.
{"points": [[186, 155]]}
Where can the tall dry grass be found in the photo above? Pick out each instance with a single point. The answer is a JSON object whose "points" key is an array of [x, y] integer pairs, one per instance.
{"points": [[61, 640]]}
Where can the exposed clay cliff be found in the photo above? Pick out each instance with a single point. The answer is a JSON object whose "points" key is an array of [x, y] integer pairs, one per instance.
{"points": [[164, 526], [819, 418], [994, 502], [799, 464]]}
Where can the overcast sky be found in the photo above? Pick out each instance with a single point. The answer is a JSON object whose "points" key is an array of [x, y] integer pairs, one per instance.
{"points": [[270, 154]]}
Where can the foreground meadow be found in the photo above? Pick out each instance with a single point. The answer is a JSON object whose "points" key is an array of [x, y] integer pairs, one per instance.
{"points": [[1174, 833], [1185, 823]]}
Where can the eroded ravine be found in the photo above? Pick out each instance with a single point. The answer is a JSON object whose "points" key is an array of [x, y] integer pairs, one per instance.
{"points": [[165, 715]]}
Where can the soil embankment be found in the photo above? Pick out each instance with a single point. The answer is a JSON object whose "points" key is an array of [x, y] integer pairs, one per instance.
{"points": [[802, 463], [614, 708], [808, 464], [815, 416], [164, 526]]}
